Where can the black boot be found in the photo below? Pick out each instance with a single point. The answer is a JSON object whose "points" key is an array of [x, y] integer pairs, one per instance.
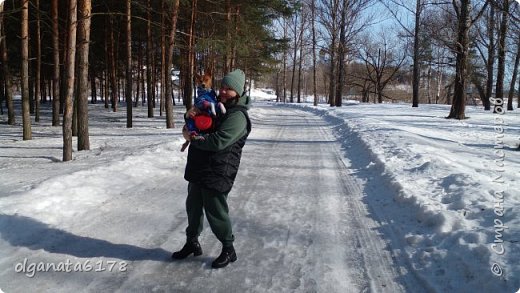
{"points": [[192, 246], [226, 256]]}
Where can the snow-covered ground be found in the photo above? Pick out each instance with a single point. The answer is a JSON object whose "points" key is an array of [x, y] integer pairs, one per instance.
{"points": [[455, 201], [444, 195]]}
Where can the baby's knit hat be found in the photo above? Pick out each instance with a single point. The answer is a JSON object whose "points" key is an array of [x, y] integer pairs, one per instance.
{"points": [[236, 80]]}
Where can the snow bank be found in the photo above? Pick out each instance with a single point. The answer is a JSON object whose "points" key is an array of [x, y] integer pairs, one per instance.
{"points": [[455, 207]]}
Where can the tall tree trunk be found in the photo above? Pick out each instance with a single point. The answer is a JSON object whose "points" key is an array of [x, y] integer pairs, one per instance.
{"points": [[379, 75], [75, 98], [63, 72], [37, 82], [332, 72], [163, 58], [106, 90], [300, 59], [143, 80], [11, 120], [518, 95], [428, 82], [2, 93], [227, 55], [458, 107], [139, 74], [341, 56], [71, 56], [284, 81], [313, 19], [332, 53], [83, 69], [234, 44], [93, 87], [46, 88], [128, 91], [2, 84], [27, 133], [31, 81], [300, 66], [107, 70], [416, 56], [295, 57], [499, 92], [149, 61], [513, 78], [490, 58], [114, 93], [169, 65], [56, 65], [190, 64]]}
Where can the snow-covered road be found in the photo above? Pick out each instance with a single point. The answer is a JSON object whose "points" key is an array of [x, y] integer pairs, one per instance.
{"points": [[298, 214]]}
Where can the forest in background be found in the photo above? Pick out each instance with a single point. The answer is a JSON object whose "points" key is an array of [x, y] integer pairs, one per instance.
{"points": [[418, 51], [142, 53], [125, 51]]}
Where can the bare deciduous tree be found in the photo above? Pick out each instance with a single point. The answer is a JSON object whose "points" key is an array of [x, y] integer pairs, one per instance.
{"points": [[504, 26], [342, 22], [490, 61], [382, 63], [296, 26], [515, 74], [396, 7], [342, 51], [329, 19], [464, 23], [513, 80]]}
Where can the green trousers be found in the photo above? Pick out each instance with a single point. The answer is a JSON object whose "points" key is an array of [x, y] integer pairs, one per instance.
{"points": [[201, 200]]}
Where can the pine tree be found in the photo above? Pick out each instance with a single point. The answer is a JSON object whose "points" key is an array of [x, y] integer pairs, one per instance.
{"points": [[26, 116], [69, 73], [84, 13]]}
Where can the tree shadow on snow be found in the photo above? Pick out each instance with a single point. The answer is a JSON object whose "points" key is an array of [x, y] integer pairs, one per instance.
{"points": [[27, 232]]}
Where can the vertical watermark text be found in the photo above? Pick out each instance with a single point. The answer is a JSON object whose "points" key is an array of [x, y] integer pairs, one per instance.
{"points": [[497, 178]]}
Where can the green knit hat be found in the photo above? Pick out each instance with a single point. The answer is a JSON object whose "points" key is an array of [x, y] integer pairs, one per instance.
{"points": [[236, 80]]}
